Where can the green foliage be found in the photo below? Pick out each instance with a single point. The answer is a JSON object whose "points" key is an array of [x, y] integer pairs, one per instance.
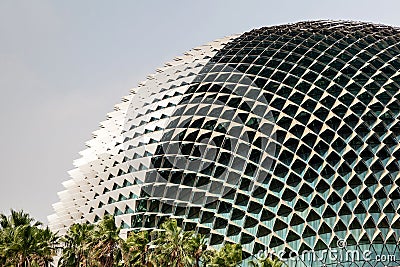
{"points": [[25, 243], [267, 262], [229, 255], [106, 243], [177, 248], [76, 242], [135, 250], [271, 263]]}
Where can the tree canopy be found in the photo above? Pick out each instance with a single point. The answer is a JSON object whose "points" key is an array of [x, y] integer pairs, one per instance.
{"points": [[25, 242]]}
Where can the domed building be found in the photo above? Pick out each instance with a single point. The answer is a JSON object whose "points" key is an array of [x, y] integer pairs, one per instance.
{"points": [[282, 138]]}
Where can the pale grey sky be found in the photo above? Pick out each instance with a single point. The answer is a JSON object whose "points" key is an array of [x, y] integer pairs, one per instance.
{"points": [[64, 64]]}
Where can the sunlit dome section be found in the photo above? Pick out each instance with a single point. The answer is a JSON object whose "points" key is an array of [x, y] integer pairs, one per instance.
{"points": [[105, 153], [283, 138]]}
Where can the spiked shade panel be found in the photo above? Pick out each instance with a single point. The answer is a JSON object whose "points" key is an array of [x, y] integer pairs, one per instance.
{"points": [[283, 138]]}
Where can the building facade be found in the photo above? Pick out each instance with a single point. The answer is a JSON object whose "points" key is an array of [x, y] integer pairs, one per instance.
{"points": [[282, 138]]}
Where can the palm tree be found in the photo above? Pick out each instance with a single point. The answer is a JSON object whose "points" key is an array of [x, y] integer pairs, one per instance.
{"points": [[76, 245], [207, 257], [106, 243], [135, 250], [268, 262], [230, 255], [17, 218], [23, 243], [45, 246], [196, 247], [172, 246], [19, 245]]}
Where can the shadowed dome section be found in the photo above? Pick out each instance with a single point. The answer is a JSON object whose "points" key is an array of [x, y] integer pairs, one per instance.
{"points": [[283, 138]]}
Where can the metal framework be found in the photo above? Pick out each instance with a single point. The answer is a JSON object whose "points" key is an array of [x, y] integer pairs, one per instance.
{"points": [[283, 138]]}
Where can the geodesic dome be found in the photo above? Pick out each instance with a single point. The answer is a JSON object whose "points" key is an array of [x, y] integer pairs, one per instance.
{"points": [[283, 138]]}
